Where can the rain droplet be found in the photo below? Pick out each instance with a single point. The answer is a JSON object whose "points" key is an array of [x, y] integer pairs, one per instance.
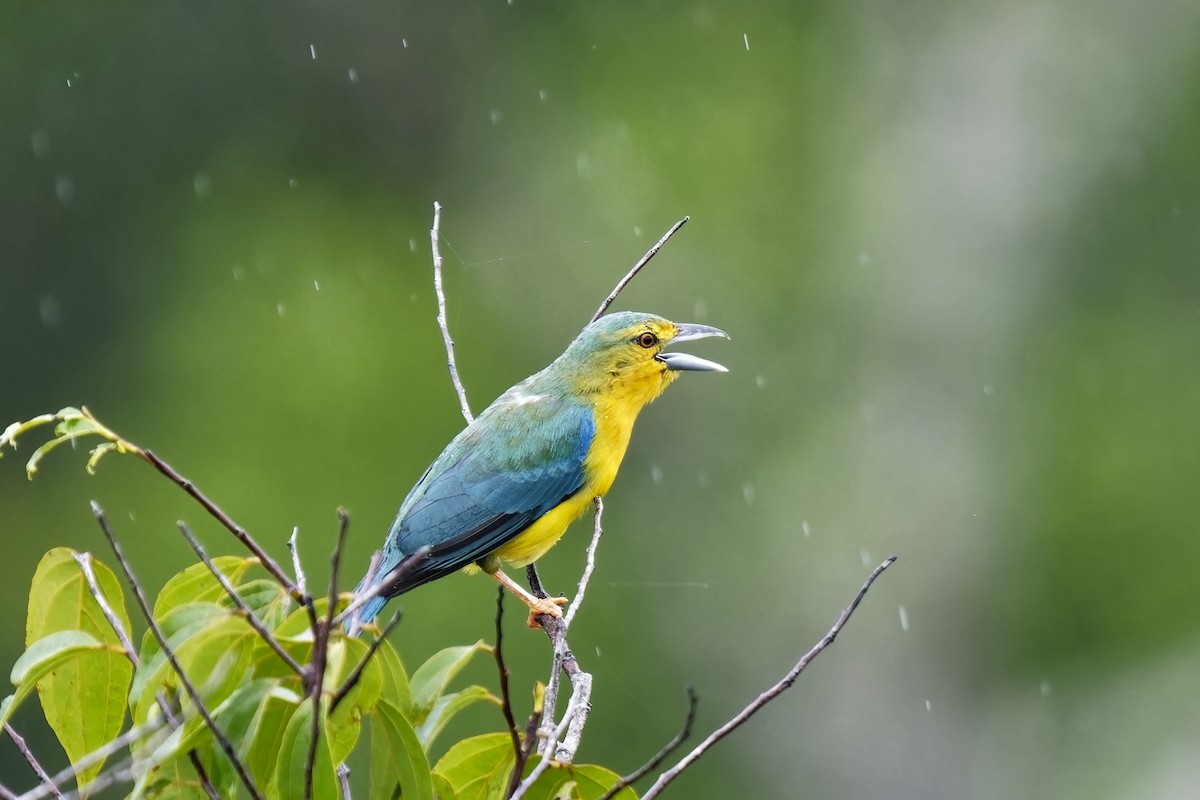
{"points": [[700, 309], [904, 619], [412, 245], [404, 43], [316, 286], [238, 272], [352, 74], [583, 165], [281, 309], [749, 493], [865, 555], [132, 516], [1045, 688], [988, 390], [312, 51], [637, 230], [50, 310], [293, 183], [928, 705], [864, 258], [40, 142], [746, 41], [656, 474], [760, 381], [202, 185], [542, 95], [496, 116], [804, 527], [702, 478], [64, 189]]}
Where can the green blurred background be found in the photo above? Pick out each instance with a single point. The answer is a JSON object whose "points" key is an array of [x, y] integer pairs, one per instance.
{"points": [[957, 248]]}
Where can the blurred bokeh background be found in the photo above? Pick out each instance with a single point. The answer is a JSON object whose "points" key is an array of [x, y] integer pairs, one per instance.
{"points": [[957, 247]]}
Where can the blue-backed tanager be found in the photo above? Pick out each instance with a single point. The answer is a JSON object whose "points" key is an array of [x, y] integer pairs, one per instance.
{"points": [[507, 487]]}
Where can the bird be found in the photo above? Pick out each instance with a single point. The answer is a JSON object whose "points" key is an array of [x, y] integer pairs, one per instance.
{"points": [[504, 491]]}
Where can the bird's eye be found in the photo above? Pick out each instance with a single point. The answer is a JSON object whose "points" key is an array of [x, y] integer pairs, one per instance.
{"points": [[647, 340]]}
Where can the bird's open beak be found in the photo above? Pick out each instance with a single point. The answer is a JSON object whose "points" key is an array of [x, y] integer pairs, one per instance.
{"points": [[683, 361]]}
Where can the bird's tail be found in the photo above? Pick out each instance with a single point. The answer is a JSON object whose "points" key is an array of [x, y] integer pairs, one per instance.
{"points": [[370, 610]]}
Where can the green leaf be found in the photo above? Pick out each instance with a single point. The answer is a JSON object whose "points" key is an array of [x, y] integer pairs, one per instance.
{"points": [[345, 720], [447, 706], [431, 678], [574, 782], [397, 759], [43, 657], [266, 731], [293, 758], [478, 768], [196, 584], [214, 656], [84, 699], [395, 680]]}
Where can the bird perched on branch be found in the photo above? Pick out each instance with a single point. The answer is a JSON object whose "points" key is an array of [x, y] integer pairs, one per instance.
{"points": [[505, 490]]}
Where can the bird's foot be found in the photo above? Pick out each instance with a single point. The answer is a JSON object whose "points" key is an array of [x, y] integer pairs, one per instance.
{"points": [[544, 605]]}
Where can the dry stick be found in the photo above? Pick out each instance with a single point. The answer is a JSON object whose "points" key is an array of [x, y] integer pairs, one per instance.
{"points": [[645, 259], [546, 761], [589, 565], [33, 762], [434, 235], [343, 773], [250, 616], [95, 757], [218, 734], [6, 793], [294, 549], [356, 674], [84, 560], [217, 513], [770, 694], [668, 748], [321, 631], [506, 698]]}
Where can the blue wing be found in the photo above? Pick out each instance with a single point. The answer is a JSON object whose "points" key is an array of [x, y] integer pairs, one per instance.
{"points": [[517, 461]]}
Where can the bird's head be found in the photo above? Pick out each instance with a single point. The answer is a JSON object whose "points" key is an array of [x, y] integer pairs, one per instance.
{"points": [[623, 355]]}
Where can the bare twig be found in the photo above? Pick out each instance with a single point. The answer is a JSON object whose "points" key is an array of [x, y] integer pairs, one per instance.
{"points": [[555, 735], [294, 548], [645, 259], [770, 694], [402, 569], [343, 774], [32, 760], [434, 236], [217, 513], [164, 645], [356, 674], [589, 564], [668, 748], [250, 616], [321, 631], [84, 560], [6, 793], [95, 757], [531, 726], [505, 695]]}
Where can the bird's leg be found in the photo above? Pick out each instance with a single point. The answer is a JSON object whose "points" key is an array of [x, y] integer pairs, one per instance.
{"points": [[537, 605]]}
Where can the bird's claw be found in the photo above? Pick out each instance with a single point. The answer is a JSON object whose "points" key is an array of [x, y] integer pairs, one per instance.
{"points": [[545, 605]]}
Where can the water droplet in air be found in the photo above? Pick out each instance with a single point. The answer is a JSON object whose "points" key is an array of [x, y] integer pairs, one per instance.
{"points": [[700, 309], [293, 183], [64, 189], [312, 51], [281, 308], [202, 185], [865, 555], [316, 286], [40, 142], [749, 493], [496, 116], [542, 95], [746, 41], [50, 310], [656, 473], [804, 527], [760, 381], [1045, 688], [904, 619], [412, 245], [928, 705], [352, 74]]}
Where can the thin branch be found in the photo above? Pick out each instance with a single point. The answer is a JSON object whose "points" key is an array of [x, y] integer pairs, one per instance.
{"points": [[122, 772], [6, 793], [589, 564], [343, 774], [95, 757], [434, 236], [645, 259], [544, 764], [531, 725], [32, 760], [389, 582], [668, 748], [355, 627], [84, 560], [156, 631], [505, 695], [217, 513], [294, 549], [250, 616], [356, 674], [321, 649], [770, 694]]}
